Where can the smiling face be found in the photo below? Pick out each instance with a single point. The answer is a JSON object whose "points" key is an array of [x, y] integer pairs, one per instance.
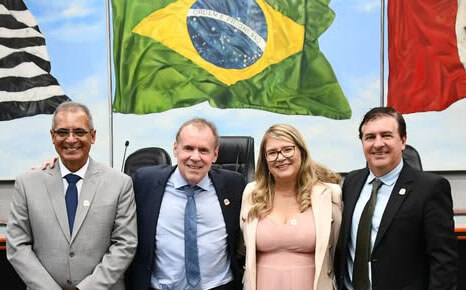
{"points": [[195, 151], [382, 144], [73, 150], [283, 169]]}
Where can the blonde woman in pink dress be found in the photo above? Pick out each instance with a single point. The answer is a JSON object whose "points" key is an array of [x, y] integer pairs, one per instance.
{"points": [[290, 217]]}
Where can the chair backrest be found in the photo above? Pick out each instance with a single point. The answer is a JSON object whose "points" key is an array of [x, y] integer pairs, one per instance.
{"points": [[236, 153], [412, 158], [146, 157]]}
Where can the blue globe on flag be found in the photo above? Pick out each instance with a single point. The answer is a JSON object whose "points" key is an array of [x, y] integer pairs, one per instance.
{"points": [[230, 34]]}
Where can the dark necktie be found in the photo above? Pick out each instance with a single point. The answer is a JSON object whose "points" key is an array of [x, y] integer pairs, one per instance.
{"points": [[363, 241], [71, 198], [191, 257]]}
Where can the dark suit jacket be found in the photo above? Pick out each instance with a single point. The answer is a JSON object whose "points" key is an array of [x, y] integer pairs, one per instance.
{"points": [[149, 188], [415, 247]]}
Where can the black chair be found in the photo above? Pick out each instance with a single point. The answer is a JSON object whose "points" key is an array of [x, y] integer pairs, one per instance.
{"points": [[146, 157], [412, 158], [236, 153]]}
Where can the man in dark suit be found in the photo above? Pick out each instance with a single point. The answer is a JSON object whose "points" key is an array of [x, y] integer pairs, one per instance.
{"points": [[397, 227], [167, 257]]}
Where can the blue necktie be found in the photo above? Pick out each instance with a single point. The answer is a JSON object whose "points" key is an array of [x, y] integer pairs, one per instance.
{"points": [[191, 257], [71, 198]]}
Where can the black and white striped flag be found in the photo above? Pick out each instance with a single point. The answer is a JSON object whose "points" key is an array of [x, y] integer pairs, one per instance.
{"points": [[26, 86]]}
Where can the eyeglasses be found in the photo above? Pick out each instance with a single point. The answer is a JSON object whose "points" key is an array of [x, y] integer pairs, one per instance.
{"points": [[287, 152], [64, 133]]}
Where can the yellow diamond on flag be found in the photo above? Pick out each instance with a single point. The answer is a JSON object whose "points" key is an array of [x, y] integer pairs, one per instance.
{"points": [[260, 45]]}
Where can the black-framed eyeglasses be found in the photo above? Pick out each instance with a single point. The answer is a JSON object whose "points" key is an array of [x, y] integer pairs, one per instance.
{"points": [[287, 152], [64, 133]]}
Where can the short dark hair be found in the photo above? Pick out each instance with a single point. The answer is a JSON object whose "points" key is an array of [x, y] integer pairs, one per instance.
{"points": [[73, 107], [379, 112], [200, 123]]}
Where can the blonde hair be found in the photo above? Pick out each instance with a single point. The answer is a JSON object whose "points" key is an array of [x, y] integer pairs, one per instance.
{"points": [[309, 173]]}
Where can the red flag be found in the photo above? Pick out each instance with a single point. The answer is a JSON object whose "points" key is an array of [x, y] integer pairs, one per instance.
{"points": [[425, 70]]}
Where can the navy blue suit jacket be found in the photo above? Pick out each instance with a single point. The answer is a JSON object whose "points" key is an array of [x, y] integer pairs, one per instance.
{"points": [[415, 247], [149, 188]]}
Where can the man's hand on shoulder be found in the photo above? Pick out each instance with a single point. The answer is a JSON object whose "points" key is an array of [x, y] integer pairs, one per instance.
{"points": [[49, 163]]}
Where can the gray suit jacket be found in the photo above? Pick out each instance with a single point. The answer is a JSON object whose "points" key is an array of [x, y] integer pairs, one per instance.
{"points": [[104, 239]]}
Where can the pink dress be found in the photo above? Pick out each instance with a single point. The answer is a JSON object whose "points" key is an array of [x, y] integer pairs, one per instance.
{"points": [[285, 253]]}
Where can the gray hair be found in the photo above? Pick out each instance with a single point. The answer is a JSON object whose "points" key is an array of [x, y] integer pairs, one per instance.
{"points": [[73, 107]]}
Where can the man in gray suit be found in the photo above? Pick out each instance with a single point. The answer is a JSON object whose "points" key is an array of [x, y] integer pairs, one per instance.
{"points": [[72, 226]]}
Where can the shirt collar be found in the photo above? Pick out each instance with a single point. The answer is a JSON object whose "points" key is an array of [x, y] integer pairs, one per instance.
{"points": [[389, 178], [179, 181], [65, 171]]}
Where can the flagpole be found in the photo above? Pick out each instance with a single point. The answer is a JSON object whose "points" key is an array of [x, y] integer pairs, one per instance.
{"points": [[382, 47], [109, 71]]}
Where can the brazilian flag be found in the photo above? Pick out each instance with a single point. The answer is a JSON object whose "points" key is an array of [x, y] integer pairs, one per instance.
{"points": [[256, 54]]}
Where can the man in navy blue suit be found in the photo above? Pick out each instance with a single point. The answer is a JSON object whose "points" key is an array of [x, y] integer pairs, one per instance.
{"points": [[162, 198]]}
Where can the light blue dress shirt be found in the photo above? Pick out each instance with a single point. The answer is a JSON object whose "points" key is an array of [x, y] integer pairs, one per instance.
{"points": [[383, 195], [214, 261]]}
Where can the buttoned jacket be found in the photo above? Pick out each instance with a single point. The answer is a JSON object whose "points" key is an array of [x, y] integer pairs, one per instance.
{"points": [[104, 239]]}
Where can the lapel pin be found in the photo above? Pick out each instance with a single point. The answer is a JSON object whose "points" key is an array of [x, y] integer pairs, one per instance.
{"points": [[226, 201], [402, 191], [86, 203]]}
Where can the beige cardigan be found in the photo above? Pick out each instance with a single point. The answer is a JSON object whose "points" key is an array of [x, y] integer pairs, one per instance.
{"points": [[327, 207]]}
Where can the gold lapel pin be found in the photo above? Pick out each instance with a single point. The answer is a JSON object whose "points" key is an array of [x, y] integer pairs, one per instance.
{"points": [[402, 191], [226, 201]]}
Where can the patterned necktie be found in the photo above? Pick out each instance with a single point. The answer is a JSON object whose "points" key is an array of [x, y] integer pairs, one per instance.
{"points": [[71, 198], [363, 241], [193, 274]]}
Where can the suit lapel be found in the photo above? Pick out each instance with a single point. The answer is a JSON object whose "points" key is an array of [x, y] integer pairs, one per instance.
{"points": [[56, 191], [154, 197], [220, 191], [149, 194], [322, 210], [404, 181], [86, 196], [251, 254], [352, 190]]}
